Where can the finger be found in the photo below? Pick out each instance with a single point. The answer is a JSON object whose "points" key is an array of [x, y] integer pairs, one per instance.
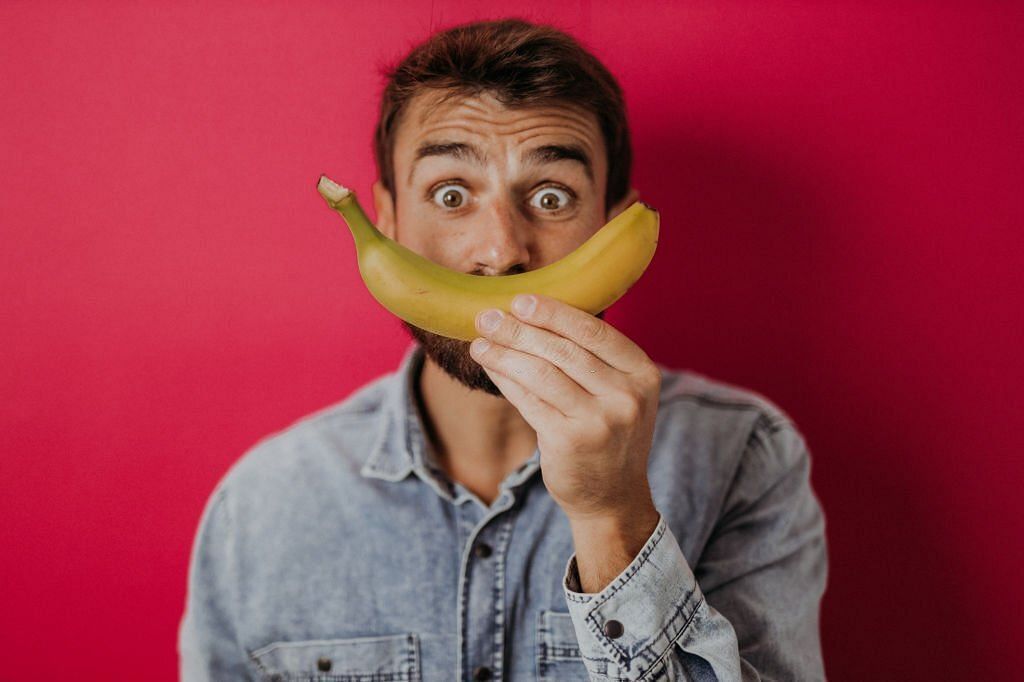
{"points": [[536, 375], [594, 334], [540, 415], [593, 374]]}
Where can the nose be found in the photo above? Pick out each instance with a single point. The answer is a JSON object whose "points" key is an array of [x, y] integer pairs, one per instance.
{"points": [[501, 246]]}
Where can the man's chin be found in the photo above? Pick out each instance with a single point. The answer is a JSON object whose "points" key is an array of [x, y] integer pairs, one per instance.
{"points": [[452, 355]]}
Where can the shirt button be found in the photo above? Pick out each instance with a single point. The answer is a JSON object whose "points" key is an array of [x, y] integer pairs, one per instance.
{"points": [[482, 673], [613, 629], [323, 664], [482, 551]]}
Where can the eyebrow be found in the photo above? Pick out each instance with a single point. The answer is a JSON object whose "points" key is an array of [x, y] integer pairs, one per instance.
{"points": [[550, 153], [462, 151], [457, 150]]}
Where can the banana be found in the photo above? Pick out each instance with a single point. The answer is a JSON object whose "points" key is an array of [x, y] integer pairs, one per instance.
{"points": [[443, 301]]}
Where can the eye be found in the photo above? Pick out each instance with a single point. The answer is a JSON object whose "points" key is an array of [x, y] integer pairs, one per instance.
{"points": [[551, 198], [450, 196]]}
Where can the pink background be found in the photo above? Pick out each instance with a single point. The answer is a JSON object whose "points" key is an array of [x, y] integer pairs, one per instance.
{"points": [[841, 205]]}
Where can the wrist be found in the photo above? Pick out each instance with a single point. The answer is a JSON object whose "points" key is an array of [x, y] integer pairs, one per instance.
{"points": [[626, 530], [606, 544], [631, 521]]}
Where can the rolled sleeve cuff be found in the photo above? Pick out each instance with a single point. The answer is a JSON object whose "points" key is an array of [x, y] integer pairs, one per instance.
{"points": [[630, 625]]}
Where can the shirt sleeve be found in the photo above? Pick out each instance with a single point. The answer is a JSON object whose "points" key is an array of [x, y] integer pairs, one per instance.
{"points": [[208, 644], [750, 609]]}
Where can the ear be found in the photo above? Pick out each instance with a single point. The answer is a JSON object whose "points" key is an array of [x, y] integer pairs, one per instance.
{"points": [[384, 206], [631, 196]]}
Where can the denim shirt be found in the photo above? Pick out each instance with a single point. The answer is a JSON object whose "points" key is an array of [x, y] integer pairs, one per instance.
{"points": [[336, 549]]}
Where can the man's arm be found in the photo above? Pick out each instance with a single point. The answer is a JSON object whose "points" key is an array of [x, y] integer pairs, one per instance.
{"points": [[750, 612], [208, 645]]}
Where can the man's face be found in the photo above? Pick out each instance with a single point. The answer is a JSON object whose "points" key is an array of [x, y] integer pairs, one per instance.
{"points": [[492, 191]]}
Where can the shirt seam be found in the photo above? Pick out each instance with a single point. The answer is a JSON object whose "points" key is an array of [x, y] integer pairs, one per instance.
{"points": [[674, 641]]}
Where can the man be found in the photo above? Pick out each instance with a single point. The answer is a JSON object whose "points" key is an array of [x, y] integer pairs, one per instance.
{"points": [[556, 506]]}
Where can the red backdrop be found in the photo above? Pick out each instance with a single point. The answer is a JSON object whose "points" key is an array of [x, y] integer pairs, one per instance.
{"points": [[840, 192]]}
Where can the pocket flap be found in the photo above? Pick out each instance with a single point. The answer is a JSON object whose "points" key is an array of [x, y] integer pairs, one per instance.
{"points": [[558, 636], [394, 656]]}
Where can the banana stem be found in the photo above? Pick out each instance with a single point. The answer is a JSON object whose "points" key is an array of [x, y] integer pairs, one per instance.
{"points": [[331, 191], [343, 200]]}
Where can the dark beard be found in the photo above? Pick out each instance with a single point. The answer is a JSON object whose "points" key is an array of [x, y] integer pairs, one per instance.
{"points": [[452, 355]]}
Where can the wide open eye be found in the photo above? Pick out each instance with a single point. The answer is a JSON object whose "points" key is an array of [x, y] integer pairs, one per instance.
{"points": [[450, 196], [550, 199]]}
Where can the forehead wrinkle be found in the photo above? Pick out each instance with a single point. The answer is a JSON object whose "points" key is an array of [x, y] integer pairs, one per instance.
{"points": [[534, 121], [580, 139], [577, 118], [581, 136], [469, 113], [557, 151], [486, 102], [464, 121]]}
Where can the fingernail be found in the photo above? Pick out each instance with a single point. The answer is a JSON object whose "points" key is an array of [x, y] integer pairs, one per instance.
{"points": [[480, 345], [524, 305], [490, 320]]}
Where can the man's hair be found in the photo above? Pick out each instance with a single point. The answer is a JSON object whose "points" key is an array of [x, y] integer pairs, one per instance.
{"points": [[522, 65]]}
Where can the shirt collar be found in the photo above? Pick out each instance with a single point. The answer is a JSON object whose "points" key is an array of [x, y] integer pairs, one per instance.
{"points": [[393, 456], [401, 446]]}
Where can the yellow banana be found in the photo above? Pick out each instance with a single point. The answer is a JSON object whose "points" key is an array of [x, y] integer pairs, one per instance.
{"points": [[440, 300]]}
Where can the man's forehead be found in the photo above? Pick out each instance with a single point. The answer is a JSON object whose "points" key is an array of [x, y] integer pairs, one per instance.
{"points": [[433, 111]]}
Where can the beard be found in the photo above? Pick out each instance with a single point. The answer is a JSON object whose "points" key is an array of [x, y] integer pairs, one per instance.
{"points": [[452, 356]]}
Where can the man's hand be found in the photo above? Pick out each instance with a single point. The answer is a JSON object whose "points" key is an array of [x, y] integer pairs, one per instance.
{"points": [[591, 395]]}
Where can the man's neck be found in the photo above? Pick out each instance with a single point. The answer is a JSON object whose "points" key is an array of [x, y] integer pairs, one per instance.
{"points": [[477, 438]]}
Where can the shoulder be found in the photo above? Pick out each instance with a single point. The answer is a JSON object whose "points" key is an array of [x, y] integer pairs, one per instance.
{"points": [[324, 447], [724, 429], [685, 390], [718, 448], [714, 406]]}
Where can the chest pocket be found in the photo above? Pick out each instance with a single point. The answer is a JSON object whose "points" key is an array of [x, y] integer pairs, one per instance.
{"points": [[394, 658], [558, 652]]}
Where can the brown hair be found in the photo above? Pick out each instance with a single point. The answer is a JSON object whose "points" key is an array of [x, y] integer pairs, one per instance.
{"points": [[521, 64]]}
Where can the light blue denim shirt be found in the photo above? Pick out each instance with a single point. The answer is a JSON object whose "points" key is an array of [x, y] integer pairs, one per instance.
{"points": [[336, 549]]}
